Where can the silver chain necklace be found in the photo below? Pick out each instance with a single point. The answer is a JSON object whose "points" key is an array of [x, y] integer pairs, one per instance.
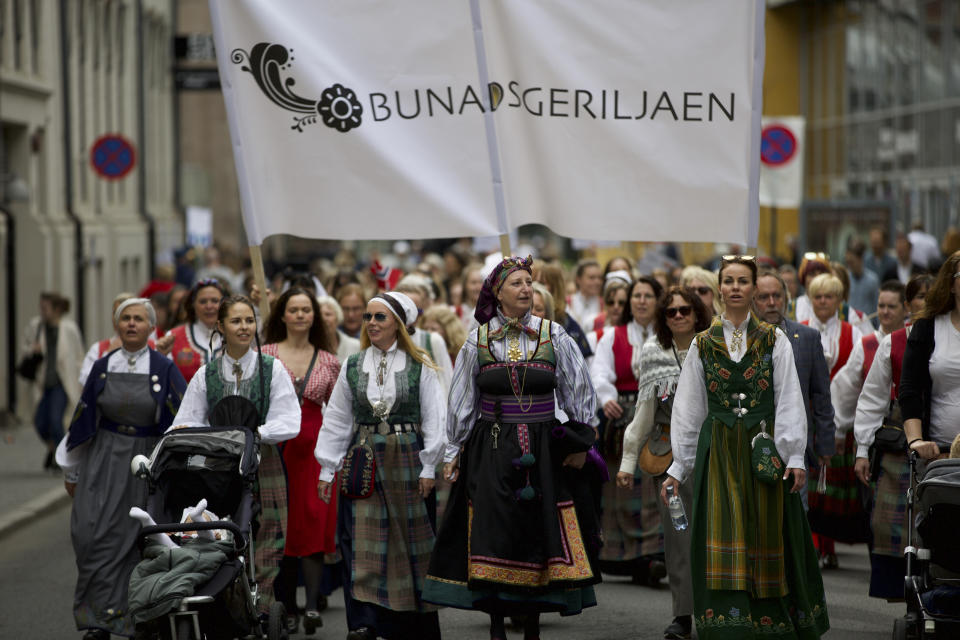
{"points": [[380, 408]]}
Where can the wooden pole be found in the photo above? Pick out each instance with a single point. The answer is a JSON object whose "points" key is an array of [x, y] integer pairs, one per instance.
{"points": [[260, 279], [505, 245]]}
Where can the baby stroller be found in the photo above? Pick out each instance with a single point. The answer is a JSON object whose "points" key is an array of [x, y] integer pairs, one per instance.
{"points": [[218, 464], [932, 583]]}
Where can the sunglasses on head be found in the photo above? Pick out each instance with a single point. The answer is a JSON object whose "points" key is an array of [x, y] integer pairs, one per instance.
{"points": [[379, 316], [734, 258], [683, 311]]}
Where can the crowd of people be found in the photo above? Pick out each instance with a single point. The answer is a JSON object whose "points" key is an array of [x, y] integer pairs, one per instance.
{"points": [[494, 433]]}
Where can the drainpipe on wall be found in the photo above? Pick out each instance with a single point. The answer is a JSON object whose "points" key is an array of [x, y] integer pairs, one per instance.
{"points": [[175, 102], [12, 346], [68, 166], [142, 135]]}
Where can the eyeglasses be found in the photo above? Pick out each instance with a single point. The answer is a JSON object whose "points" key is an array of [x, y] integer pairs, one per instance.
{"points": [[702, 290], [683, 311], [614, 303], [379, 316], [733, 258]]}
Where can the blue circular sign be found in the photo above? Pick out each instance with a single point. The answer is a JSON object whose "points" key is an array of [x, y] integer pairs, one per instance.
{"points": [[112, 157], [777, 145]]}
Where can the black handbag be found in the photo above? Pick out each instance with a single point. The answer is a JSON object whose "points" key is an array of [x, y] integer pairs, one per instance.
{"points": [[359, 472], [30, 363], [890, 438]]}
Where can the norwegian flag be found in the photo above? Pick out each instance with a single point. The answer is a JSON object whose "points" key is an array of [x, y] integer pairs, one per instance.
{"points": [[387, 277]]}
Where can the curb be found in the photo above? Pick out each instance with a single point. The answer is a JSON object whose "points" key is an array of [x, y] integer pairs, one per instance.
{"points": [[32, 510]]}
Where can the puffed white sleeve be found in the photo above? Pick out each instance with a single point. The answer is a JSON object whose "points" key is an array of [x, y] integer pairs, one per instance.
{"points": [[283, 416], [442, 359], [88, 361], [845, 388], [603, 370], [433, 415], [874, 399], [637, 431], [790, 422], [193, 408], [689, 412], [334, 438], [464, 399]]}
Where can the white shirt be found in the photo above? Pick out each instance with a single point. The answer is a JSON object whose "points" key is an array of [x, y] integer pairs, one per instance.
{"points": [[945, 374], [690, 404], [874, 400], [338, 420], [603, 368], [283, 417], [830, 338], [441, 357], [846, 385], [584, 309], [346, 347], [70, 461]]}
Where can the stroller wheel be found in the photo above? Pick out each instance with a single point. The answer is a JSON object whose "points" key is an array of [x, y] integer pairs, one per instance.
{"points": [[277, 622], [902, 630]]}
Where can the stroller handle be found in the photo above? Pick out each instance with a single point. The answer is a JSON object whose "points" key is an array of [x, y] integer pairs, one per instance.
{"points": [[238, 535], [914, 456]]}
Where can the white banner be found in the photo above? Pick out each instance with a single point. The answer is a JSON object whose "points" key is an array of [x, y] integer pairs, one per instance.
{"points": [[781, 162], [613, 120]]}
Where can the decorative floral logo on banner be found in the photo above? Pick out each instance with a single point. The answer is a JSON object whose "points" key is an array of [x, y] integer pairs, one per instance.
{"points": [[338, 106]]}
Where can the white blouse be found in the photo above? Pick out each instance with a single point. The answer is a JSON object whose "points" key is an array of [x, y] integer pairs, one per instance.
{"points": [[690, 404], [874, 399], [283, 416], [584, 309], [603, 368], [945, 375], [846, 386], [338, 420], [830, 338], [441, 357]]}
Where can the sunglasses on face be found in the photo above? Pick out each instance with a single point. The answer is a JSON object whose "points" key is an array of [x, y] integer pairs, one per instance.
{"points": [[614, 303], [379, 316], [683, 311]]}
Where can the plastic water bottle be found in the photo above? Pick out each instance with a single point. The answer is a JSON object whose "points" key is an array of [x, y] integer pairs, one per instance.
{"points": [[677, 514]]}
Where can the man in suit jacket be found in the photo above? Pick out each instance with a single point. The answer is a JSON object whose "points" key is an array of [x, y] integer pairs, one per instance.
{"points": [[770, 304]]}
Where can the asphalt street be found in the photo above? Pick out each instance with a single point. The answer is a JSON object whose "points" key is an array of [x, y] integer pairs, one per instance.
{"points": [[38, 575]]}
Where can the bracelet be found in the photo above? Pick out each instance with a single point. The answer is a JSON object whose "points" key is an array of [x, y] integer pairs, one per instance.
{"points": [[910, 444]]}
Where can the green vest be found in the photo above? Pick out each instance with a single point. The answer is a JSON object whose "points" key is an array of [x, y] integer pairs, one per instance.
{"points": [[218, 387], [406, 408], [543, 353], [751, 378]]}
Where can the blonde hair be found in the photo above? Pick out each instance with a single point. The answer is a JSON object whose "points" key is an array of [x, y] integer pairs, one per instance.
{"points": [[708, 278], [955, 447], [825, 283], [541, 290], [454, 332], [404, 343]]}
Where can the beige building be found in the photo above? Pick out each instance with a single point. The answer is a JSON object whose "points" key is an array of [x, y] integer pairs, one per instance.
{"points": [[71, 72]]}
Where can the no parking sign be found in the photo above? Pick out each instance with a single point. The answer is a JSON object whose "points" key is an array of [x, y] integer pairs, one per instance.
{"points": [[112, 157], [781, 162]]}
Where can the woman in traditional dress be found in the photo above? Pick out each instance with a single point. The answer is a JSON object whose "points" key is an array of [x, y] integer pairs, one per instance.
{"points": [[680, 315], [296, 335], [129, 400], [878, 407], [754, 568], [836, 513], [388, 404], [704, 283], [616, 289], [197, 342], [551, 275], [519, 535], [262, 380], [632, 533]]}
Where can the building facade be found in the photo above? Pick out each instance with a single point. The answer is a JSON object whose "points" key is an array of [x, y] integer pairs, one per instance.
{"points": [[72, 72]]}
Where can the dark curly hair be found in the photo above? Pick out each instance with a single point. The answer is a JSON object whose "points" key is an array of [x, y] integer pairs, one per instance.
{"points": [[702, 316], [275, 330]]}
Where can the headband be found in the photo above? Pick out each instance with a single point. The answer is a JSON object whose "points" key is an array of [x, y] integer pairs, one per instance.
{"points": [[487, 302], [401, 306]]}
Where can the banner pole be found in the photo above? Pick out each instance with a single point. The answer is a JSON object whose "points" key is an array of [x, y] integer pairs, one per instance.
{"points": [[505, 245], [260, 279]]}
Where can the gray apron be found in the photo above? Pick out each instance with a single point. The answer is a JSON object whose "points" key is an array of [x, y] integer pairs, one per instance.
{"points": [[104, 535]]}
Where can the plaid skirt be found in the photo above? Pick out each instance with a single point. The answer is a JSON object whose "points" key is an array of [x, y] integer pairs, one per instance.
{"points": [[839, 512], [270, 538], [889, 515], [391, 532]]}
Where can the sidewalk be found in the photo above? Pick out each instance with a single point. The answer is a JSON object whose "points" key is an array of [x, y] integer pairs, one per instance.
{"points": [[26, 490]]}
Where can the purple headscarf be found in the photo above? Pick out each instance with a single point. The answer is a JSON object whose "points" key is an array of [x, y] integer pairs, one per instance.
{"points": [[487, 302]]}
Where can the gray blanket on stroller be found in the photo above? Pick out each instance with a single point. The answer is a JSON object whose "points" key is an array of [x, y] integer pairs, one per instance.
{"points": [[167, 575]]}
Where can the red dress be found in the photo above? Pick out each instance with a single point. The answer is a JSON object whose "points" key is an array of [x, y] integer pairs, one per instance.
{"points": [[311, 522]]}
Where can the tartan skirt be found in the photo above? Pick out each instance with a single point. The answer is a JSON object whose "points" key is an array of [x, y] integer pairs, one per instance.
{"points": [[391, 532], [889, 515], [839, 513], [746, 536], [270, 538]]}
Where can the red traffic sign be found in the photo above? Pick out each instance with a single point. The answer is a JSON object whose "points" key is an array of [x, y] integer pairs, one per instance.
{"points": [[778, 145], [112, 157]]}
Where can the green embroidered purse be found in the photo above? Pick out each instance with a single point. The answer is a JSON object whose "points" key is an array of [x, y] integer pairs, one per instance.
{"points": [[766, 461]]}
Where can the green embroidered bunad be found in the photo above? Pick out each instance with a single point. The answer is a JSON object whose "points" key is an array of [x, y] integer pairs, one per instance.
{"points": [[750, 539]]}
